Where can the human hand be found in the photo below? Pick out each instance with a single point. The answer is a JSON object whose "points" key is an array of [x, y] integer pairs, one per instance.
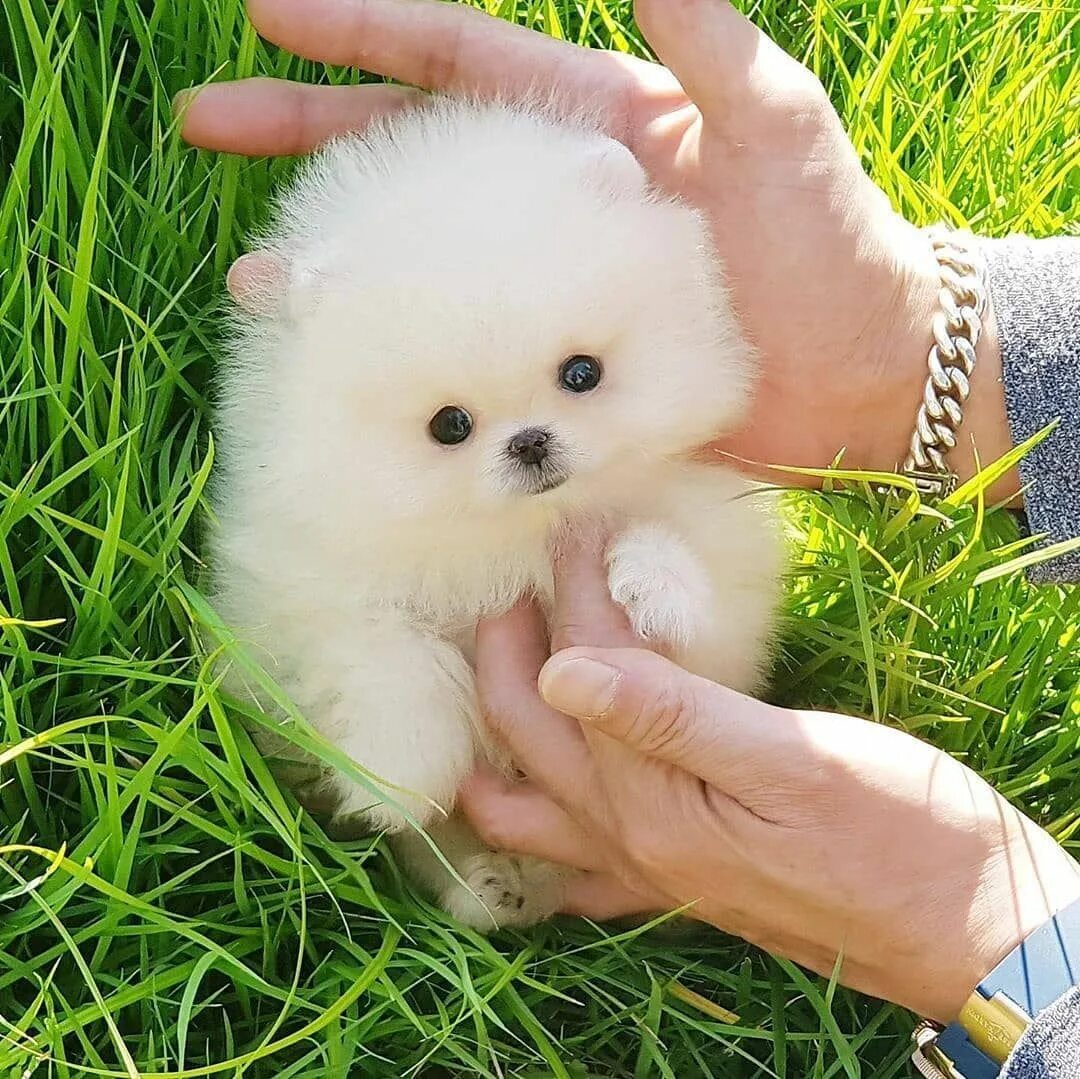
{"points": [[810, 834], [834, 289]]}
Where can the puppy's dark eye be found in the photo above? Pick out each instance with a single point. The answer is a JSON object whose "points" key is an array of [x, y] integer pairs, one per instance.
{"points": [[450, 425], [579, 374]]}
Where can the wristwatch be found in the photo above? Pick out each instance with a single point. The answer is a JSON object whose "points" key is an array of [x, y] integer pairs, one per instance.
{"points": [[1029, 979]]}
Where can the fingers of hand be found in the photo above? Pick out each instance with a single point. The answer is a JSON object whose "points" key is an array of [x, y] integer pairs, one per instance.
{"points": [[654, 707], [521, 818], [721, 58], [547, 745], [267, 117], [602, 896], [584, 611], [434, 45]]}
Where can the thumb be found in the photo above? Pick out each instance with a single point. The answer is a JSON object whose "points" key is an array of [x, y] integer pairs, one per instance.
{"points": [[653, 706], [718, 55]]}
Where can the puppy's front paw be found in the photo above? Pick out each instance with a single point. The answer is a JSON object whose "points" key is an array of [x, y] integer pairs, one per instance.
{"points": [[504, 891], [660, 584]]}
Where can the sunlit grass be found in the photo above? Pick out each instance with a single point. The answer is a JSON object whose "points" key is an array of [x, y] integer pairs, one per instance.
{"points": [[164, 907]]}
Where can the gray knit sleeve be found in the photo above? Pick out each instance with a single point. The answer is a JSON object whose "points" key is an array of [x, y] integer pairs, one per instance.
{"points": [[1035, 289], [1051, 1047]]}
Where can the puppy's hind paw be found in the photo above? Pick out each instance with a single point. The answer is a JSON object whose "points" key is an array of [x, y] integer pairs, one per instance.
{"points": [[504, 891]]}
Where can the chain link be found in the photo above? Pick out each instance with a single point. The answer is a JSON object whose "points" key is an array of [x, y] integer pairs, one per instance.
{"points": [[956, 328]]}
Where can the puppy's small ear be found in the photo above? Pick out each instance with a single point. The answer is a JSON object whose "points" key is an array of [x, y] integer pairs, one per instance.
{"points": [[258, 282], [612, 169]]}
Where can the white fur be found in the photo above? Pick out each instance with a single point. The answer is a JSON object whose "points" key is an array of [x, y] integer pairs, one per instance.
{"points": [[457, 256]]}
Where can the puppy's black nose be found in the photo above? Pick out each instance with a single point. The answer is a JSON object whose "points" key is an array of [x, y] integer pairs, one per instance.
{"points": [[529, 446]]}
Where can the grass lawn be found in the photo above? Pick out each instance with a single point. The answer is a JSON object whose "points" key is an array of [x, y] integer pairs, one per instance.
{"points": [[164, 907]]}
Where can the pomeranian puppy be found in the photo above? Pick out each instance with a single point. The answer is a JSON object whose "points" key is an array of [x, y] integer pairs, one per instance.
{"points": [[468, 331]]}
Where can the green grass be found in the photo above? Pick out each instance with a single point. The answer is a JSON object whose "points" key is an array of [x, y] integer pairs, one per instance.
{"points": [[164, 908]]}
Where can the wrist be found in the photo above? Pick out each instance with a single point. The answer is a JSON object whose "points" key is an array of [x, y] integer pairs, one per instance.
{"points": [[903, 370], [1021, 889], [985, 435], [1031, 978]]}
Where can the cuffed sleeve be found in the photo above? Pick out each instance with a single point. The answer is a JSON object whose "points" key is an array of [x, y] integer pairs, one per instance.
{"points": [[1035, 289]]}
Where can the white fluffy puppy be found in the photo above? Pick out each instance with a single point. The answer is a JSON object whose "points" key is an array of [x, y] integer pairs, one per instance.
{"points": [[466, 331]]}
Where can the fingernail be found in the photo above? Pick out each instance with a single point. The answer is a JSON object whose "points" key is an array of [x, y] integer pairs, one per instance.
{"points": [[182, 99], [579, 686]]}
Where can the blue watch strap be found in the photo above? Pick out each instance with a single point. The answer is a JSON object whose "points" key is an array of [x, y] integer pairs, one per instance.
{"points": [[1044, 968], [1033, 976], [970, 1061]]}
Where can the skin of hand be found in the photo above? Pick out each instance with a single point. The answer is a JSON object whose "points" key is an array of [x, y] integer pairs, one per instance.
{"points": [[810, 834], [834, 289]]}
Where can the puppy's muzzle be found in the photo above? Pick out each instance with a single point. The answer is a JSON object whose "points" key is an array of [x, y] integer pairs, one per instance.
{"points": [[536, 459]]}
